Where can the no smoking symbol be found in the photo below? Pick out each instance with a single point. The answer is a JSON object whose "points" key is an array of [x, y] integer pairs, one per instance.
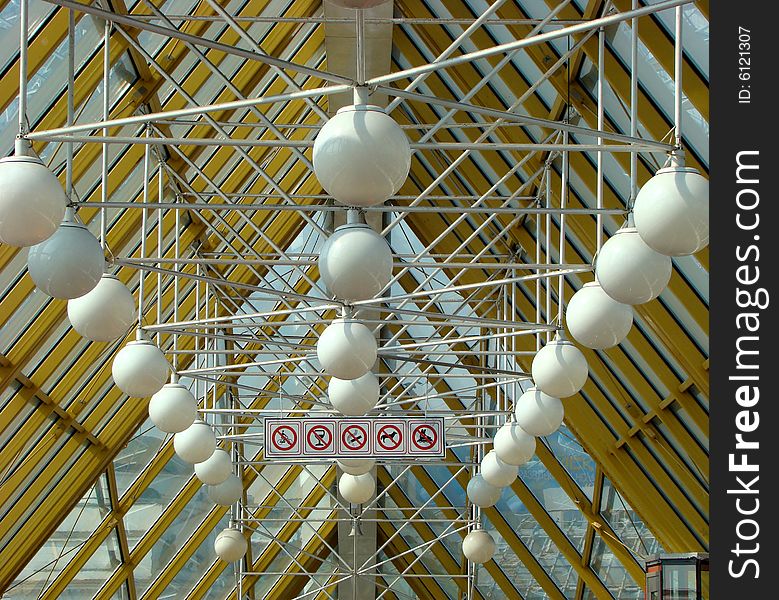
{"points": [[424, 437], [389, 437], [354, 437], [284, 438], [319, 438]]}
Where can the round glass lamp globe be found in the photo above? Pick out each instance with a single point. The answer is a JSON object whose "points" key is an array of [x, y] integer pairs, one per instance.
{"points": [[173, 408], [215, 469], [32, 201], [105, 313], [595, 319], [226, 493], [539, 414], [354, 397], [356, 466], [356, 489], [355, 263], [346, 349], [140, 369], [481, 493], [230, 545], [478, 546], [496, 472], [67, 265], [196, 443], [672, 211], [361, 156], [513, 445], [630, 271], [559, 369]]}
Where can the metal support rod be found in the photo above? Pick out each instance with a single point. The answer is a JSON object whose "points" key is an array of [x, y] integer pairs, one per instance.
{"points": [[23, 49], [359, 18], [633, 103], [600, 126], [106, 108], [541, 38], [678, 90], [70, 103]]}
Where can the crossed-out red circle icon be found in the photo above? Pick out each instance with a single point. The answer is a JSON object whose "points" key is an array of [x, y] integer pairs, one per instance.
{"points": [[354, 437], [284, 438], [424, 437], [319, 438], [389, 437]]}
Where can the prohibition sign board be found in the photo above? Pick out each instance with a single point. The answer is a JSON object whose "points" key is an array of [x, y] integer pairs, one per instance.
{"points": [[319, 438], [424, 437], [389, 438], [284, 438], [354, 438]]}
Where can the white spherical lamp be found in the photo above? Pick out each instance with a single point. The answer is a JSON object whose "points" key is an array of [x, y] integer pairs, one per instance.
{"points": [[672, 211], [361, 156], [140, 369], [105, 313], [595, 319], [196, 443], [478, 546], [630, 271], [215, 469], [354, 397], [228, 492], [67, 265], [32, 201], [539, 414], [356, 466], [356, 489], [173, 408], [346, 349], [496, 472], [513, 445], [355, 263], [481, 493], [230, 545], [559, 368]]}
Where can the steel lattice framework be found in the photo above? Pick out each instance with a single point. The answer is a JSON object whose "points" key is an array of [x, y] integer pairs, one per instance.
{"points": [[191, 127]]}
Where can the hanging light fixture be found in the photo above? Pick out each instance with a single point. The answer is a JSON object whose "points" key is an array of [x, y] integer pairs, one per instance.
{"points": [[354, 397], [630, 271], [140, 369], [513, 445], [538, 413], [173, 409], [356, 262], [226, 493], [356, 489], [68, 264], [496, 472], [104, 314], [478, 546], [361, 155], [356, 466], [196, 443], [672, 210], [559, 368], [481, 493], [595, 319], [215, 469], [230, 545], [346, 349]]}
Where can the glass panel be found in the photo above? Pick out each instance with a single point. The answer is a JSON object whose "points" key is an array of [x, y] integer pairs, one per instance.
{"points": [[679, 582], [626, 523], [59, 549], [91, 577], [611, 572]]}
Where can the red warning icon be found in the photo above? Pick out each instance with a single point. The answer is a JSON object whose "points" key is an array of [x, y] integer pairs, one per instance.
{"points": [[319, 438], [354, 437], [389, 437], [424, 437], [284, 438]]}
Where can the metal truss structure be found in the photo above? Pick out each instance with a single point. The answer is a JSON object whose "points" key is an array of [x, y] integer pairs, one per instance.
{"points": [[190, 125]]}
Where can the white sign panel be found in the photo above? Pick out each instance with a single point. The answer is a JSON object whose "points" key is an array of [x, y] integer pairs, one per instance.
{"points": [[377, 437]]}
